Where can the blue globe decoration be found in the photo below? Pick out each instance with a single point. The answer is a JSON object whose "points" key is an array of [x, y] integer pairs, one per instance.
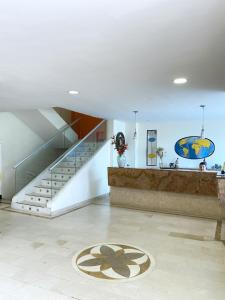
{"points": [[194, 147]]}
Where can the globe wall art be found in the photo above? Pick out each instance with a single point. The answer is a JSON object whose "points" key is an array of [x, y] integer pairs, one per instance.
{"points": [[194, 147]]}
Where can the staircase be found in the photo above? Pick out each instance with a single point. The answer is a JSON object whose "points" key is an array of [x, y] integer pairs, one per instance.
{"points": [[37, 197]]}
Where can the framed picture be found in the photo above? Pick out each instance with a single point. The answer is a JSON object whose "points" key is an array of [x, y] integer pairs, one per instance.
{"points": [[151, 156]]}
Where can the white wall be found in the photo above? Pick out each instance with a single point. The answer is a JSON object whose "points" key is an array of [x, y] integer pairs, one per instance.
{"points": [[131, 152], [17, 141], [0, 169], [64, 113], [170, 132], [91, 181], [53, 117], [21, 133]]}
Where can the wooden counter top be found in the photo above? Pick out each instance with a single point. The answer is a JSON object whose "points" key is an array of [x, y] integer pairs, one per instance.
{"points": [[178, 181]]}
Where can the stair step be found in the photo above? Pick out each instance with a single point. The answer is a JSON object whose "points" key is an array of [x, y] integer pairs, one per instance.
{"points": [[64, 170], [38, 195], [39, 201], [83, 153], [46, 191], [32, 203], [81, 158], [67, 164], [34, 199], [79, 154], [60, 176], [32, 209], [53, 183]]}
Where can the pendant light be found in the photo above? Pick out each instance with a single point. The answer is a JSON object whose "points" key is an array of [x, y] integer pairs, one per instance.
{"points": [[203, 121], [135, 121]]}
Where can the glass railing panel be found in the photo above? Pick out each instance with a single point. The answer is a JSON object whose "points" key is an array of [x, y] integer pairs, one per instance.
{"points": [[79, 154], [41, 158], [70, 138]]}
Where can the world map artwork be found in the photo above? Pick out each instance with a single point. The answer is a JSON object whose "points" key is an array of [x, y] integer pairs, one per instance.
{"points": [[194, 147]]}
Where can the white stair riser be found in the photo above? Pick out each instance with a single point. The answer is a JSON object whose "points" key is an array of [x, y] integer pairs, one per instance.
{"points": [[83, 153], [36, 200], [79, 154], [45, 191], [85, 148], [72, 164], [67, 164], [32, 209], [64, 170], [83, 158], [52, 183], [60, 176]]}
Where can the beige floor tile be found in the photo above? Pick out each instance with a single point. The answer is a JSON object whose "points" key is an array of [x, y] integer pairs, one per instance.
{"points": [[36, 254]]}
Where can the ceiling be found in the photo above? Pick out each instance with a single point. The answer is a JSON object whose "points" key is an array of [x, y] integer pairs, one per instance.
{"points": [[121, 55]]}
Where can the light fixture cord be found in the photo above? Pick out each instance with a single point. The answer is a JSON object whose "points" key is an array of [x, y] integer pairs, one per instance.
{"points": [[135, 129], [203, 121]]}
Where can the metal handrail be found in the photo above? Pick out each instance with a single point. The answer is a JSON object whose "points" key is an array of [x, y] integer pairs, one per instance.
{"points": [[61, 130], [75, 146]]}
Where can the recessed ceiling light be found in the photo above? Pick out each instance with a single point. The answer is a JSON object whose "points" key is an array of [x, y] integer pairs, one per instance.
{"points": [[73, 92], [181, 80]]}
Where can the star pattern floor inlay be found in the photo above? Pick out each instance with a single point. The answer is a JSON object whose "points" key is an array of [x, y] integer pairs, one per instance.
{"points": [[112, 262]]}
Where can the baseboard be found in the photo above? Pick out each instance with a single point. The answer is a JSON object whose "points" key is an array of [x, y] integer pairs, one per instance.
{"points": [[71, 208], [62, 211], [7, 201], [76, 206]]}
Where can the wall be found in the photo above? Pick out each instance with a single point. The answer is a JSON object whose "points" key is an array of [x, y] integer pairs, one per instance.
{"points": [[170, 132], [0, 170], [21, 133], [85, 124], [53, 118], [44, 122], [89, 182], [128, 129], [17, 141], [64, 113]]}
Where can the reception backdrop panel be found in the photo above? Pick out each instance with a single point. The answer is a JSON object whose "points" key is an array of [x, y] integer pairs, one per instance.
{"points": [[151, 159]]}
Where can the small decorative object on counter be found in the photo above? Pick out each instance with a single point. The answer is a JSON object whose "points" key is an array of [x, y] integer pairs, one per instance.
{"points": [[216, 167], [203, 165], [160, 153], [172, 165], [121, 147], [177, 163], [223, 169]]}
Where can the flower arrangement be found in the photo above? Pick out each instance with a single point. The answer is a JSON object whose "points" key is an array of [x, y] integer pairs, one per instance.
{"points": [[160, 152], [119, 142]]}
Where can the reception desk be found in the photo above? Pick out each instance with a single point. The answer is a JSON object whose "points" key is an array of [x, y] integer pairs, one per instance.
{"points": [[186, 192]]}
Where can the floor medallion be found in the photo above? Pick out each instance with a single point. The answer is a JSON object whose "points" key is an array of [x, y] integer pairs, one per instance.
{"points": [[112, 262]]}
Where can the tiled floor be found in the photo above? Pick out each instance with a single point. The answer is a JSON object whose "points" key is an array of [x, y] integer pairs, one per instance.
{"points": [[36, 254], [3, 205]]}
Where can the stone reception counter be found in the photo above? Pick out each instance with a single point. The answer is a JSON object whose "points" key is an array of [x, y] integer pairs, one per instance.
{"points": [[187, 192]]}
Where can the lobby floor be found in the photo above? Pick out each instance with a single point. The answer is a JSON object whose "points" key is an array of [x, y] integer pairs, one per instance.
{"points": [[36, 255]]}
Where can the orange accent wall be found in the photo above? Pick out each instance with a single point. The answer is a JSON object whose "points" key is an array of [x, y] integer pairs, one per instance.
{"points": [[85, 125]]}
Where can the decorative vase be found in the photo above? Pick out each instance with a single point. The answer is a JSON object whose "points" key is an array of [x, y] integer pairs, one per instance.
{"points": [[121, 160], [161, 162]]}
